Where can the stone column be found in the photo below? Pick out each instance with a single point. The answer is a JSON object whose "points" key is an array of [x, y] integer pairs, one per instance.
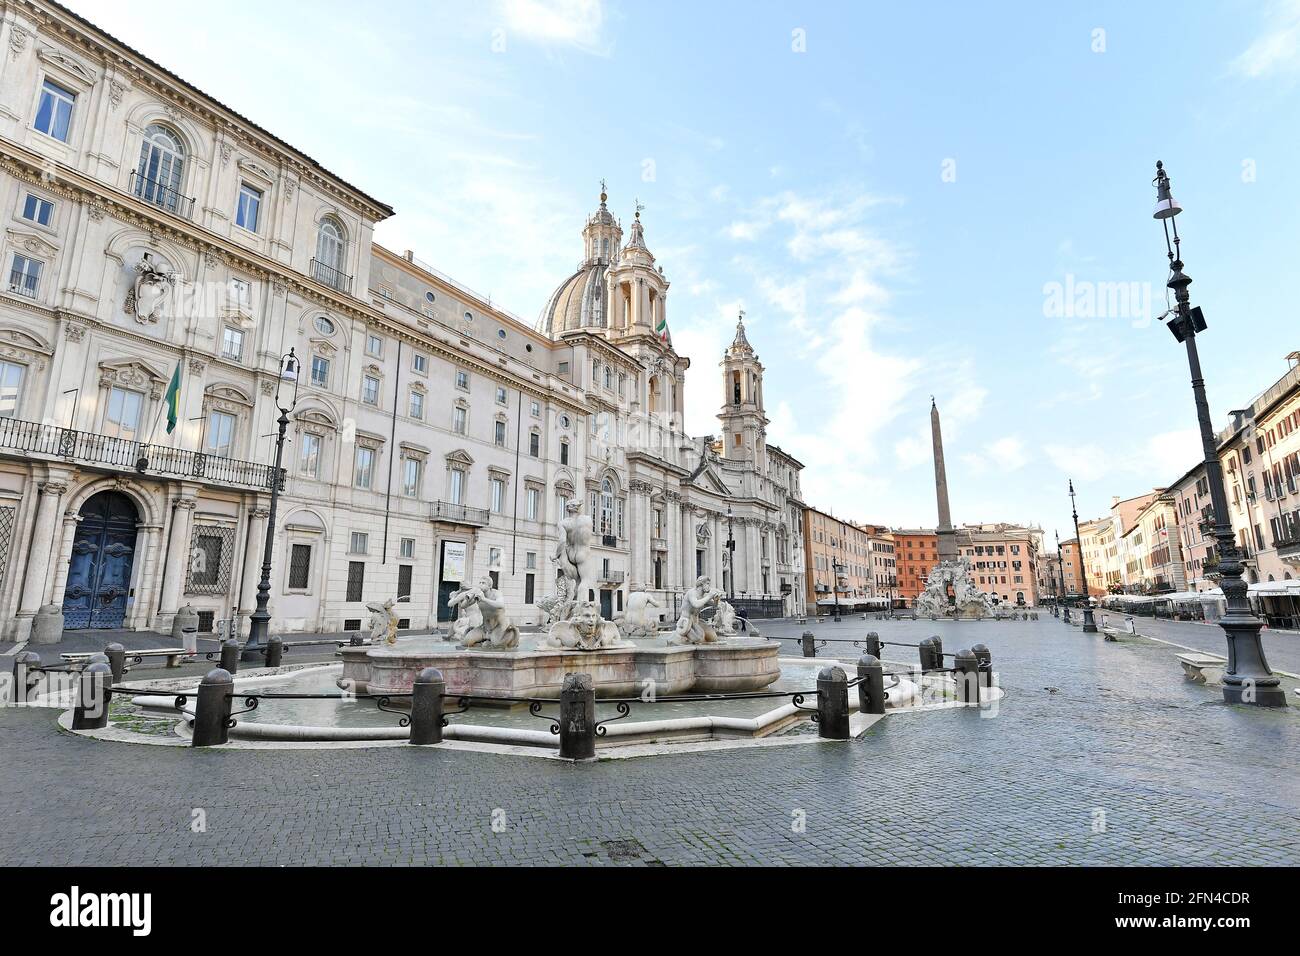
{"points": [[178, 558], [148, 546], [39, 553], [254, 549], [70, 522]]}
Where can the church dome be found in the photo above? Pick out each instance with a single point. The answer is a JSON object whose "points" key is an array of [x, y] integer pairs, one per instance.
{"points": [[579, 302]]}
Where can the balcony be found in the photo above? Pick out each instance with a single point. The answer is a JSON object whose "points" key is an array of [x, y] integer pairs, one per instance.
{"points": [[612, 577], [164, 197], [1288, 547], [658, 544], [24, 284], [457, 513], [328, 275], [33, 438]]}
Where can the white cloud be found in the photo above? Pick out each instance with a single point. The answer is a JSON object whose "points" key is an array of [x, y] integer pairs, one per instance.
{"points": [[1277, 49], [577, 23]]}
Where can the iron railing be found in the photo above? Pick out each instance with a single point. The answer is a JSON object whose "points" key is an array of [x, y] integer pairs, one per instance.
{"points": [[24, 284], [612, 577], [33, 438], [164, 197], [328, 275], [450, 511]]}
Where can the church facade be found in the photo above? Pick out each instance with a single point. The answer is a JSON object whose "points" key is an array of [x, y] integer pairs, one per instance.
{"points": [[164, 256]]}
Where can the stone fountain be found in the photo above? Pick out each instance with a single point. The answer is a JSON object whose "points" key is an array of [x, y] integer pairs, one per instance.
{"points": [[485, 654]]}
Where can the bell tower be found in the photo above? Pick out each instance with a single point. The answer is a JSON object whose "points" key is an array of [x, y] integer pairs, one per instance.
{"points": [[744, 424]]}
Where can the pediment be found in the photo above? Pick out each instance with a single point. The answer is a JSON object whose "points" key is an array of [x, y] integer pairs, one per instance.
{"points": [[224, 391], [22, 339], [51, 57], [31, 242], [256, 169], [459, 456], [129, 372]]}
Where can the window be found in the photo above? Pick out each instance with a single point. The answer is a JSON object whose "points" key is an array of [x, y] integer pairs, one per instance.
{"points": [[536, 408], [411, 477], [456, 491], [564, 452], [562, 368], [356, 579], [530, 588], [374, 345], [530, 560], [250, 205], [403, 583], [232, 344], [54, 112], [420, 363], [320, 371], [370, 390], [25, 276], [329, 249], [417, 404], [501, 395], [498, 494], [494, 559], [459, 419], [38, 210], [406, 549], [309, 455], [359, 543], [606, 507], [534, 444], [299, 567], [534, 496], [158, 176], [462, 380], [499, 434], [11, 388], [241, 295], [122, 417], [364, 467], [221, 434], [324, 326]]}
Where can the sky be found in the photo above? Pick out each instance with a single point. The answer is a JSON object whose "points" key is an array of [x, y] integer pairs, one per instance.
{"points": [[907, 200]]}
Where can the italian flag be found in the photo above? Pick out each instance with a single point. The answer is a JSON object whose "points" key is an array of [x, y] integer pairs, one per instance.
{"points": [[173, 400], [661, 329]]}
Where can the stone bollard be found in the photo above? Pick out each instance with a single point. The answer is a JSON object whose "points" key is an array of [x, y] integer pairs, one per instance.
{"points": [[937, 642], [27, 672], [923, 652], [832, 704], [578, 717], [116, 655], [212, 709], [871, 685], [426, 707], [185, 619], [230, 655], [872, 644], [809, 644], [984, 657], [967, 675], [274, 651], [189, 641], [47, 625], [90, 712]]}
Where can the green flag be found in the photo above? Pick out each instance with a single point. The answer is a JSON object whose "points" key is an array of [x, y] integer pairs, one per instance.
{"points": [[173, 400]]}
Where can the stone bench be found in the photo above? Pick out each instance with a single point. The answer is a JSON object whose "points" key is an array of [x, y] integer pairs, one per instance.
{"points": [[1203, 668]]}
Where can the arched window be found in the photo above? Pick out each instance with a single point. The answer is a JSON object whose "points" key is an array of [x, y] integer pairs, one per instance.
{"points": [[162, 161], [329, 253], [606, 507]]}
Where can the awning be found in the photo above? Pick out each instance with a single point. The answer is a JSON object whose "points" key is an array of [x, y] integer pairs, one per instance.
{"points": [[1274, 589]]}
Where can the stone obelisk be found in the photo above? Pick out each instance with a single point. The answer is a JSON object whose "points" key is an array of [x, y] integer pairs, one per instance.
{"points": [[947, 538]]}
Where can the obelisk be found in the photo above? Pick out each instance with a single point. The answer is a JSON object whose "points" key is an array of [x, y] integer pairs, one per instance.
{"points": [[947, 537]]}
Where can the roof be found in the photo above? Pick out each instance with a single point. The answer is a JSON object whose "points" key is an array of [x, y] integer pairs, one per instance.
{"points": [[386, 209], [579, 302]]}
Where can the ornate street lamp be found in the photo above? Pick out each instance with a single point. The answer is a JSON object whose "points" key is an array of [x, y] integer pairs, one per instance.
{"points": [[1060, 573], [836, 569], [260, 620], [1247, 679], [1089, 625]]}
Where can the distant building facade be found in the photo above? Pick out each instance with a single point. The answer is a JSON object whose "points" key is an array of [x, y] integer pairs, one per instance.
{"points": [[916, 551]]}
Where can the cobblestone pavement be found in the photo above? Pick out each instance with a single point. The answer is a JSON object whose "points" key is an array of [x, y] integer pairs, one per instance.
{"points": [[1101, 754], [1282, 648]]}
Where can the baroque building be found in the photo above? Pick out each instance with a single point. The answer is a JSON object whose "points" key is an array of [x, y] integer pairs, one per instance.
{"points": [[164, 254]]}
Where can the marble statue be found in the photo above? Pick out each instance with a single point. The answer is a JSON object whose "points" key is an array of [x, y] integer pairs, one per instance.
{"points": [[572, 557], [383, 622], [690, 628], [724, 621], [584, 631], [495, 629], [641, 619], [966, 601], [467, 616], [149, 290]]}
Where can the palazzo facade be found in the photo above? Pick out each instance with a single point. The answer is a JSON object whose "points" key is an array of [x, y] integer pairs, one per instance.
{"points": [[163, 254]]}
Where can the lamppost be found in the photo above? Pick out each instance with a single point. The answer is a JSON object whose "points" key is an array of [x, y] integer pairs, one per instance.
{"points": [[731, 560], [836, 570], [1089, 625], [1247, 679], [260, 620]]}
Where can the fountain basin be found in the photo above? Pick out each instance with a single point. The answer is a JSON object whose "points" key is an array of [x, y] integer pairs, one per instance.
{"points": [[732, 666]]}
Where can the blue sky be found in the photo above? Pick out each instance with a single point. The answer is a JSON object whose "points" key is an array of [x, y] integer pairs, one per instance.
{"points": [[890, 195]]}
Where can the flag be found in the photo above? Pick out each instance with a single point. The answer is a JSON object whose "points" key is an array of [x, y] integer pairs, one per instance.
{"points": [[661, 329], [173, 400]]}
